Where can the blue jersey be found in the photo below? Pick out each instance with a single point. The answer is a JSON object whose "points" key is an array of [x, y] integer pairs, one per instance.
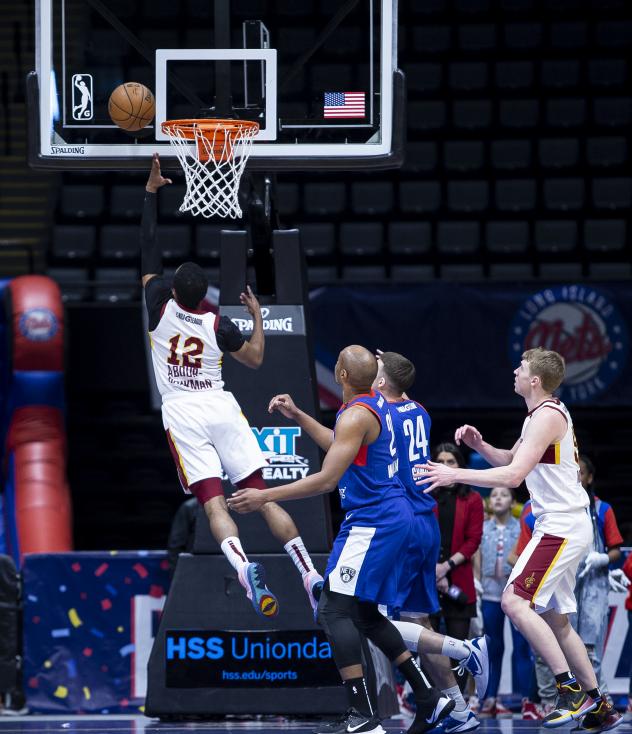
{"points": [[411, 423], [373, 474]]}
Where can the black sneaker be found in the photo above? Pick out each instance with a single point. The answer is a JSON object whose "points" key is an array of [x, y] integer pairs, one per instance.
{"points": [[351, 721], [430, 711], [572, 703], [603, 718]]}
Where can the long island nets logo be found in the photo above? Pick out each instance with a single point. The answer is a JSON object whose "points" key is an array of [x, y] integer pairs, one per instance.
{"points": [[278, 444], [581, 324]]}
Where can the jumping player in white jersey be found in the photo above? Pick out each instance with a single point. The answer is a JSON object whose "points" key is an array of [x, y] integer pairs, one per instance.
{"points": [[206, 430], [539, 593]]}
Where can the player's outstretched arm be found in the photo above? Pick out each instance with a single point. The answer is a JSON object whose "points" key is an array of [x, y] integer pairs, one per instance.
{"points": [[320, 434], [472, 437], [546, 428], [251, 352], [352, 429], [150, 255]]}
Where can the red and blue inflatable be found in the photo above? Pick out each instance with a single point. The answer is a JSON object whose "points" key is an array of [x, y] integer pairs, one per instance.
{"points": [[37, 510]]}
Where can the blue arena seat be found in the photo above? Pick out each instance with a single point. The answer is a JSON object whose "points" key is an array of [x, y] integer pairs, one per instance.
{"points": [[119, 241], [612, 193], [559, 73], [565, 272], [511, 272], [371, 197], [72, 282], [472, 114], [555, 236], [514, 74], [318, 239], [468, 196], [523, 35], [519, 113], [510, 237], [324, 197], [73, 241], [610, 271], [361, 238], [511, 155], [412, 273], [605, 235], [430, 115], [117, 284], [431, 39], [607, 72], [175, 241], [558, 152], [423, 77], [564, 194], [363, 273], [461, 273], [478, 37], [208, 239], [606, 152], [468, 76], [515, 195], [126, 201], [567, 35], [458, 238], [566, 112], [612, 111], [81, 202], [409, 238], [419, 196], [421, 156], [463, 155]]}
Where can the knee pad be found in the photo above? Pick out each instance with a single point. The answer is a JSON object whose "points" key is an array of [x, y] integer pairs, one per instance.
{"points": [[411, 634]]}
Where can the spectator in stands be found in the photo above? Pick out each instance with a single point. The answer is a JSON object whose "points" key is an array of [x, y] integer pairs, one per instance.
{"points": [[460, 514], [627, 569], [500, 534], [593, 584]]}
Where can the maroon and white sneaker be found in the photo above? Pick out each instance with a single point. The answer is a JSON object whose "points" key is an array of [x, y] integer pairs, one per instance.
{"points": [[531, 711]]}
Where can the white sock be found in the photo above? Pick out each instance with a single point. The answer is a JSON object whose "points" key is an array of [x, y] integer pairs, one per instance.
{"points": [[298, 553], [454, 648], [411, 634], [231, 548], [455, 694]]}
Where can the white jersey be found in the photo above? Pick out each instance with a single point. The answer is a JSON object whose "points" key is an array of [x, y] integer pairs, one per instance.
{"points": [[554, 483], [184, 351]]}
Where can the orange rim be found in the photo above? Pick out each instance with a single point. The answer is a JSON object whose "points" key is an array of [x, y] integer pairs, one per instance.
{"points": [[220, 135]]}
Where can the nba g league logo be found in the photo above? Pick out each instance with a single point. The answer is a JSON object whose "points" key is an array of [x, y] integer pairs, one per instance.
{"points": [[584, 326]]}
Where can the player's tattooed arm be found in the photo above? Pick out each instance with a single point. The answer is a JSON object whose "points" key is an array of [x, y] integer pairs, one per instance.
{"points": [[150, 255], [320, 434], [352, 431], [251, 352]]}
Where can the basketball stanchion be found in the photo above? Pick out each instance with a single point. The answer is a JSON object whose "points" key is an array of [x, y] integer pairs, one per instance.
{"points": [[213, 166]]}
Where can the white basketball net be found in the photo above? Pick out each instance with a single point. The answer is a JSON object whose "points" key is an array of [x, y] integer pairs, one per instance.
{"points": [[213, 160]]}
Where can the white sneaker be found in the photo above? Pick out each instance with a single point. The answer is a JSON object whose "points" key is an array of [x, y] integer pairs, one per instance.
{"points": [[313, 584], [458, 721], [477, 663]]}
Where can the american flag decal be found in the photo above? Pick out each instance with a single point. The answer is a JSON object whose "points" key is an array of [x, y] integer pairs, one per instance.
{"points": [[344, 104]]}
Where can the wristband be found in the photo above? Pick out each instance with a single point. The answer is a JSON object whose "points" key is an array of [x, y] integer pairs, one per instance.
{"points": [[452, 564]]}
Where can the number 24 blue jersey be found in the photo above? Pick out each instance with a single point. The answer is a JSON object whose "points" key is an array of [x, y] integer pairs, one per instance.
{"points": [[411, 423]]}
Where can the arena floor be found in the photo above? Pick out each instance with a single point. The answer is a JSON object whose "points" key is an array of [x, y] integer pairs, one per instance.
{"points": [[143, 725]]}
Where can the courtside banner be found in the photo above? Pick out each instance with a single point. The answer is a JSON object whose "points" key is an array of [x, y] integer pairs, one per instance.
{"points": [[465, 340], [89, 625], [253, 659]]}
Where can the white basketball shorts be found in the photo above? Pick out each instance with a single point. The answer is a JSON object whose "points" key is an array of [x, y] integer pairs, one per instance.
{"points": [[209, 436]]}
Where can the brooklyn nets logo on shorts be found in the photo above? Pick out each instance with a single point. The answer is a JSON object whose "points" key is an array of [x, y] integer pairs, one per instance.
{"points": [[346, 574]]}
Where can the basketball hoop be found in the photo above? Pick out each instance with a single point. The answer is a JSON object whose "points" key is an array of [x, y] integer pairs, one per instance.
{"points": [[214, 165]]}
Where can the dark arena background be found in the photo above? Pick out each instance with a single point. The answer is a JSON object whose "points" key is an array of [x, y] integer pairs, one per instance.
{"points": [[447, 179]]}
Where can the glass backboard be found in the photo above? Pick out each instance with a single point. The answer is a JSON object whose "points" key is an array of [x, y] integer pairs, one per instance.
{"points": [[319, 76]]}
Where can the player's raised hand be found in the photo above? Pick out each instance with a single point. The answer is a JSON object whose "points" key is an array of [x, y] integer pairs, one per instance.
{"points": [[156, 180], [284, 404], [246, 500], [469, 435], [249, 300]]}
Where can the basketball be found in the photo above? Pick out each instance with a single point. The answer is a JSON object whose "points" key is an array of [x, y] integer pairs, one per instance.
{"points": [[132, 106]]}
